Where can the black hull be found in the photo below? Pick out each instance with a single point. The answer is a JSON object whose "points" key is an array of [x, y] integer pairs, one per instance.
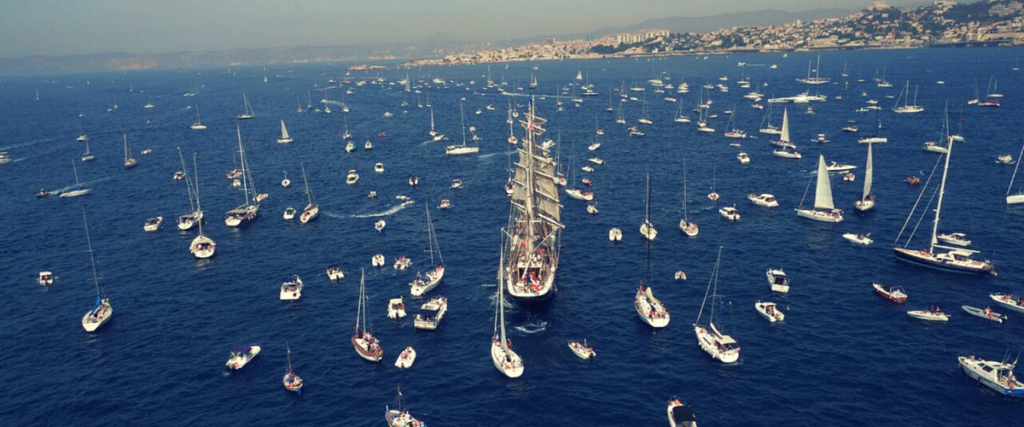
{"points": [[939, 265]]}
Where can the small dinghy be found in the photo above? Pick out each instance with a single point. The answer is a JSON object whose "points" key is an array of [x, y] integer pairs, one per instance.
{"points": [[378, 260], [985, 313], [153, 224], [680, 275], [396, 308], [769, 311], [592, 209], [582, 350], [379, 225], [241, 355], [406, 358], [334, 273], [402, 263], [615, 235], [891, 292], [45, 278], [933, 314], [860, 239]]}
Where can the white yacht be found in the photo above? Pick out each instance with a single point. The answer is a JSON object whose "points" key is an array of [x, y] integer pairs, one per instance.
{"points": [[766, 200], [867, 198], [1009, 301], [201, 247], [78, 191], [242, 355], [366, 345], [431, 313], [647, 229], [312, 208], [153, 224], [824, 210], [453, 150], [651, 310], [1018, 197], [769, 311], [291, 289], [730, 213], [680, 414], [860, 239], [425, 283], [778, 280], [101, 310], [247, 211]]}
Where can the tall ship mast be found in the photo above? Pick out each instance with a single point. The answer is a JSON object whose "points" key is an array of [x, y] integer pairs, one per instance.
{"points": [[535, 223]]}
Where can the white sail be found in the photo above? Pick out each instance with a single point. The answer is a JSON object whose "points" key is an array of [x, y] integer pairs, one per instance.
{"points": [[823, 194], [785, 126], [284, 131], [867, 177]]}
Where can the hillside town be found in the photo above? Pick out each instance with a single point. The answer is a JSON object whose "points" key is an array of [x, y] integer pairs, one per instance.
{"points": [[943, 23]]}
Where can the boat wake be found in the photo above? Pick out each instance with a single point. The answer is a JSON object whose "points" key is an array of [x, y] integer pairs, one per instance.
{"points": [[387, 212], [487, 156], [534, 328]]}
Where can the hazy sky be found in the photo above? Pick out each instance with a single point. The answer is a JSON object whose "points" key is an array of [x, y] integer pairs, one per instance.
{"points": [[61, 27]]}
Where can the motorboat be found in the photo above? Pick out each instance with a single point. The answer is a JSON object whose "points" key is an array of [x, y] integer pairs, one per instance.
{"points": [[849, 177], [933, 314], [431, 313], [396, 308], [893, 293], [652, 311], [45, 278], [984, 313], [1004, 159], [402, 263], [860, 239], [379, 167], [995, 375], [850, 128], [153, 224], [350, 147], [680, 275], [378, 260], [769, 311], [334, 273], [445, 204], [839, 167], [242, 355], [1009, 301], [456, 183], [587, 169], [372, 194], [291, 289], [959, 239], [743, 158], [615, 235], [379, 225], [680, 414], [289, 213], [766, 200], [414, 181], [582, 350], [406, 358], [352, 177], [179, 175], [820, 139], [596, 160], [730, 213], [778, 280], [367, 145]]}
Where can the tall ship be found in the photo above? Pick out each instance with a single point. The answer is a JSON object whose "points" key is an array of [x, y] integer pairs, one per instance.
{"points": [[535, 224]]}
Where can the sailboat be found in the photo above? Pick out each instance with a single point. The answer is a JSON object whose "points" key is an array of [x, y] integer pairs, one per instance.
{"points": [[713, 196], [644, 115], [102, 310], [437, 136], [202, 247], [285, 138], [87, 155], [719, 346], [652, 311], [291, 380], [766, 124], [816, 80], [957, 260], [533, 80], [874, 138], [976, 97], [422, 285], [129, 160], [1018, 198], [79, 191], [733, 132], [867, 199], [905, 96], [249, 113], [365, 344], [327, 106], [505, 360], [399, 416], [824, 210], [788, 148], [536, 224], [312, 209], [298, 105], [198, 125], [647, 229], [189, 219], [511, 135], [460, 149], [82, 136], [844, 74], [247, 211], [576, 192], [688, 227]]}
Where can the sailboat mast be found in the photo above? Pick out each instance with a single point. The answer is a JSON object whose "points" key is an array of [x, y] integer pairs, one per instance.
{"points": [[199, 206], [685, 215], [647, 216], [309, 195], [241, 157], [501, 301], [462, 114], [92, 259], [75, 170], [942, 191], [431, 118], [1010, 188], [125, 148], [530, 196], [184, 170]]}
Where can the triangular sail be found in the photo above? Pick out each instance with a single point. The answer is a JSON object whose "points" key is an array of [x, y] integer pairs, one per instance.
{"points": [[867, 176], [785, 126], [284, 131], [823, 194]]}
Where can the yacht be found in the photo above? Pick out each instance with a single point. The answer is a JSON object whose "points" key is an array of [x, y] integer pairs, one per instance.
{"points": [[153, 224], [242, 355], [995, 375], [431, 313], [647, 229], [291, 289], [766, 200], [778, 280], [743, 158], [730, 213], [247, 211]]}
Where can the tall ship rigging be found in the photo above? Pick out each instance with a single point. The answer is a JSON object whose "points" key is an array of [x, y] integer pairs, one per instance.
{"points": [[535, 224]]}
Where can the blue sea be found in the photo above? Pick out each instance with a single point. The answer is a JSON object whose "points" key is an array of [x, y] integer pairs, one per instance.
{"points": [[842, 356]]}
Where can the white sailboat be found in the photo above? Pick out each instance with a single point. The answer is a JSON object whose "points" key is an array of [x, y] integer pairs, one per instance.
{"points": [[905, 96], [1018, 198], [87, 155], [719, 346], [505, 360], [867, 199], [688, 227], [312, 209], [437, 136], [249, 113], [422, 285], [202, 247], [652, 311], [536, 224], [788, 148], [453, 150], [102, 310], [189, 219], [647, 229], [129, 160], [285, 138], [824, 210], [957, 260], [247, 211], [816, 80], [713, 196], [198, 125], [365, 343], [77, 191]]}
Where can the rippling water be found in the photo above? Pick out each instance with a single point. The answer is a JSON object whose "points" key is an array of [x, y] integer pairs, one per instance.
{"points": [[842, 355]]}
